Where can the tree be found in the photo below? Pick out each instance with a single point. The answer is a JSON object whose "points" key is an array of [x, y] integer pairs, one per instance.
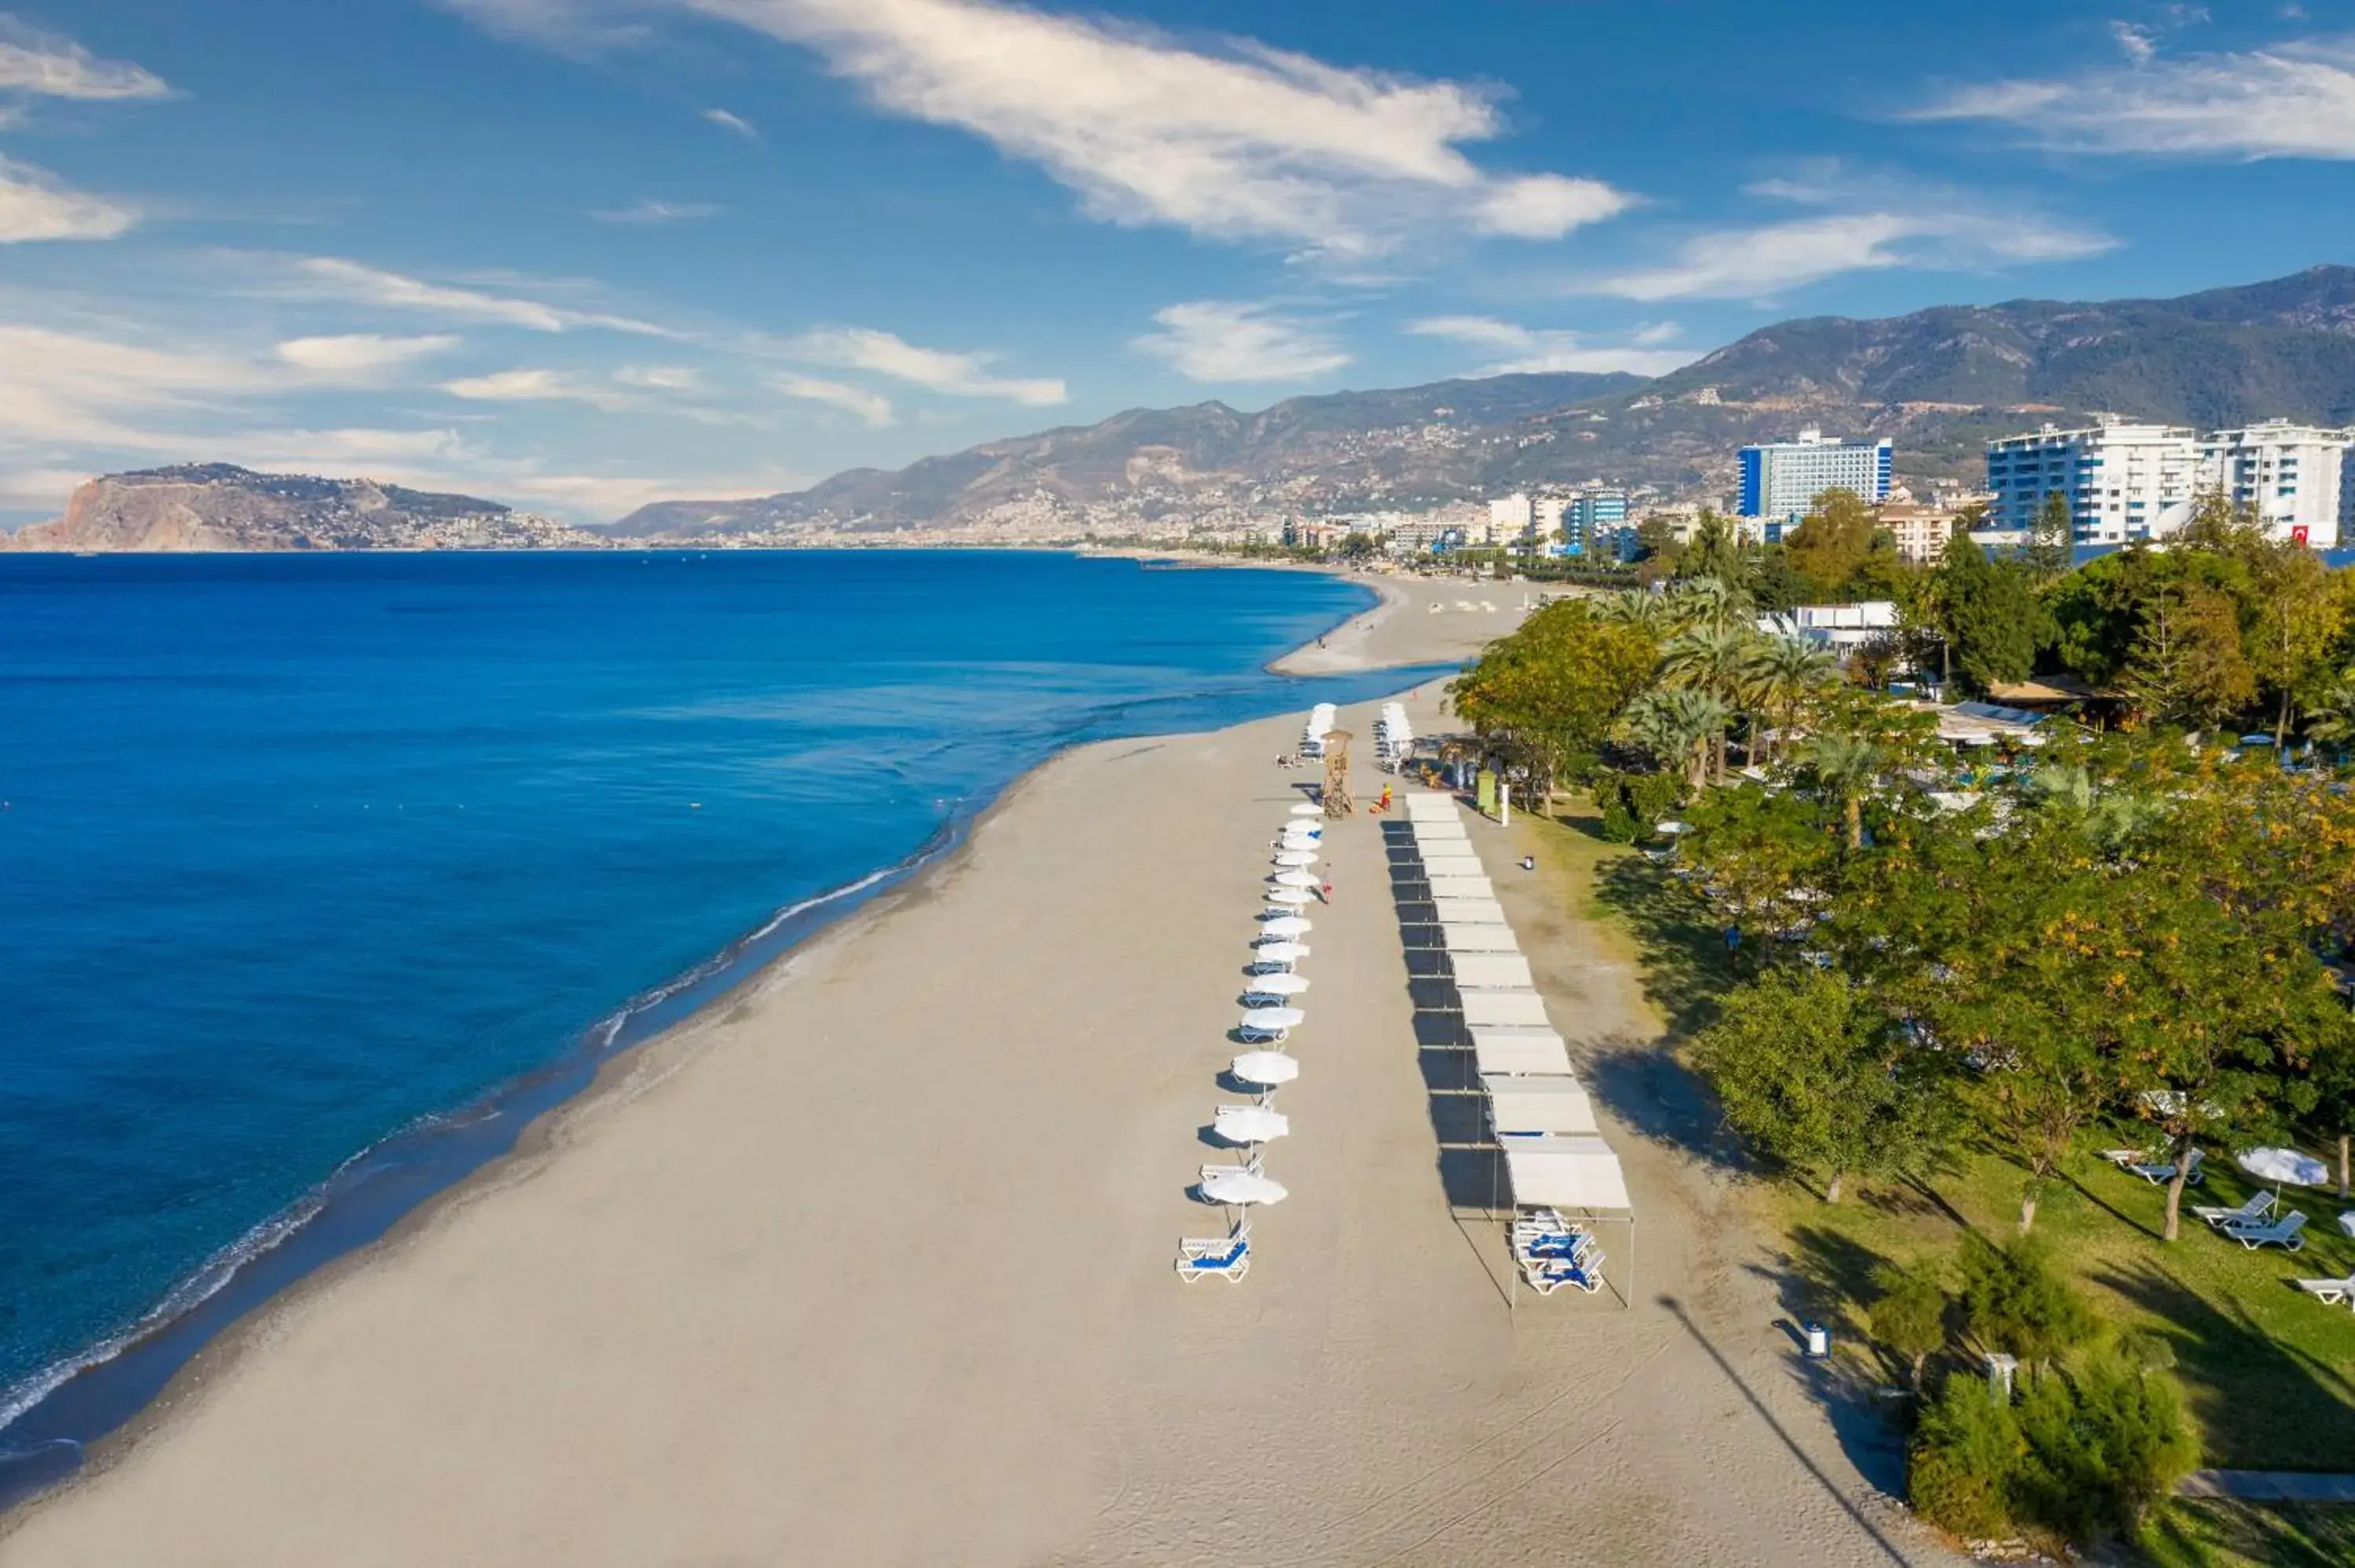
{"points": [[1815, 1077], [1679, 725], [2188, 666], [1359, 547], [2052, 542], [1910, 1316], [2105, 1445], [1846, 767], [1780, 674], [1711, 659], [1991, 617], [2298, 621], [1554, 688], [1714, 551], [1832, 541], [2014, 1301]]}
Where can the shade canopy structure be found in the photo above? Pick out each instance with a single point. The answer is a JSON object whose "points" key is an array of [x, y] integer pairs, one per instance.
{"points": [[1428, 832], [1274, 1018], [1297, 857], [1520, 1051], [1498, 971], [1577, 1172], [2284, 1165], [1479, 940], [1297, 878], [1244, 1188], [1269, 1069], [1433, 804], [1289, 897], [1549, 1103], [1307, 809], [1277, 985], [1278, 953], [1284, 927], [1470, 912], [1249, 1124], [1451, 867], [1503, 1009], [1460, 888]]}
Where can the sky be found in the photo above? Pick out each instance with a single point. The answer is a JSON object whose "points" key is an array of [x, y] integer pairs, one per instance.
{"points": [[578, 255]]}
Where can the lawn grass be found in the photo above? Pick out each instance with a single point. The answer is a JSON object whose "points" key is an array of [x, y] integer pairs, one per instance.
{"points": [[2268, 1372], [2216, 1535]]}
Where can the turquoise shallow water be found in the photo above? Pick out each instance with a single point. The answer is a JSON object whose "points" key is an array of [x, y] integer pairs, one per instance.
{"points": [[303, 854]]}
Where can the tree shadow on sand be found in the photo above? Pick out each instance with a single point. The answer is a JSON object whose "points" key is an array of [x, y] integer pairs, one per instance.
{"points": [[1650, 1093], [1680, 950]]}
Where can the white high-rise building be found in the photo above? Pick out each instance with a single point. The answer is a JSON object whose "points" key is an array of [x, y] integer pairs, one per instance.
{"points": [[2124, 481], [1782, 480], [1510, 517], [1545, 516], [2293, 478]]}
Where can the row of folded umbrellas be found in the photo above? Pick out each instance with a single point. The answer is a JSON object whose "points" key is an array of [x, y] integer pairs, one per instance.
{"points": [[1313, 733], [1270, 1016]]}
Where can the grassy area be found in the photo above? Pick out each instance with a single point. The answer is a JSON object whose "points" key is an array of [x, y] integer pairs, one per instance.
{"points": [[2270, 1373], [2236, 1535]]}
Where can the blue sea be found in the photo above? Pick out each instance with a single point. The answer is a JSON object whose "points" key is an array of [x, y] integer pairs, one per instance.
{"points": [[320, 874]]}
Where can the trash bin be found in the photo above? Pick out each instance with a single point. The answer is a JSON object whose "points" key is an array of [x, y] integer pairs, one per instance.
{"points": [[1819, 1341]]}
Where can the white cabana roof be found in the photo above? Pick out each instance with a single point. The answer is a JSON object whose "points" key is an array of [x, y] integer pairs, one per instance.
{"points": [[1515, 1051], [1439, 808], [1427, 832], [1479, 939], [1573, 1172], [1537, 1104], [1491, 970], [1503, 1009], [1441, 852], [1470, 912], [1461, 887]]}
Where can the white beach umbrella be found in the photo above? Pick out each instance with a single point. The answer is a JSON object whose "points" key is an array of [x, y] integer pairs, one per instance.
{"points": [[1308, 809], [1278, 953], [2284, 1165], [1241, 1187], [1283, 928], [1289, 897], [1298, 879], [1296, 857], [1273, 1018], [1300, 841], [1249, 1124], [1670, 828], [1277, 985], [1265, 1068]]}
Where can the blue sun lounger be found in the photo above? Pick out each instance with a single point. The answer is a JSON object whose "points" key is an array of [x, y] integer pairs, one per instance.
{"points": [[1229, 1257]]}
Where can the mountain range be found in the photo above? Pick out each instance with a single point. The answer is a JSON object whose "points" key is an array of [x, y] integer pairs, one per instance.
{"points": [[1938, 383]]}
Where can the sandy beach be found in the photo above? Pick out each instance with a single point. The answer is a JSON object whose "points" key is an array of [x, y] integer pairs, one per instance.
{"points": [[871, 1264]]}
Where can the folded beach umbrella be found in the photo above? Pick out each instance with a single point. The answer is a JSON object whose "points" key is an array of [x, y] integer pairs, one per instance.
{"points": [[1277, 985], [1241, 1187], [1297, 879], [1288, 899], [1265, 1068], [1278, 953], [1283, 928], [1308, 809], [1296, 857], [1272, 1018], [1249, 1124]]}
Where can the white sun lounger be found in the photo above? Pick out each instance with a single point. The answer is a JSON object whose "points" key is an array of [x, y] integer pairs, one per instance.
{"points": [[2282, 1233], [2330, 1292], [2255, 1211]]}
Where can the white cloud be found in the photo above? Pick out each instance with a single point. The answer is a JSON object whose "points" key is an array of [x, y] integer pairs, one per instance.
{"points": [[1221, 340], [651, 211], [936, 370], [361, 355], [1233, 140], [871, 407], [45, 65], [33, 206], [2138, 44], [1535, 350], [532, 386], [736, 122], [2294, 99], [659, 378], [1867, 225], [331, 277]]}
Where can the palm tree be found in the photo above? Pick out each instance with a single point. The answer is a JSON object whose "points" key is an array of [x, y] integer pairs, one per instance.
{"points": [[1679, 724], [1782, 675], [1847, 766], [2330, 717], [1634, 608], [1709, 604], [1711, 662]]}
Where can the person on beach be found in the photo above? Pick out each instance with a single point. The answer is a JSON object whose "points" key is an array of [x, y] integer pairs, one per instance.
{"points": [[1326, 892]]}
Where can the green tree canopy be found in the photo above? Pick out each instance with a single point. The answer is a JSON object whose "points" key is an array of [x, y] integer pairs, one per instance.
{"points": [[1555, 687]]}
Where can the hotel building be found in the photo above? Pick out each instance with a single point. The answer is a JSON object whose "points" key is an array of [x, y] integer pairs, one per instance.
{"points": [[1781, 480]]}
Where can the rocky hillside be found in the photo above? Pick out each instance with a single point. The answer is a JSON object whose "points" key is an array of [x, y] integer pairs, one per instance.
{"points": [[1938, 382], [216, 506]]}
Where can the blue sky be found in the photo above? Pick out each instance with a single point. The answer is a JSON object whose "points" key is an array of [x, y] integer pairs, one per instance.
{"points": [[580, 254]]}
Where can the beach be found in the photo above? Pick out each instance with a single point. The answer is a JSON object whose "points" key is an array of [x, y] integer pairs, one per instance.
{"points": [[871, 1263]]}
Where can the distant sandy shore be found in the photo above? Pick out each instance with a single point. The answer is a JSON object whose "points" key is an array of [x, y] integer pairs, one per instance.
{"points": [[871, 1264]]}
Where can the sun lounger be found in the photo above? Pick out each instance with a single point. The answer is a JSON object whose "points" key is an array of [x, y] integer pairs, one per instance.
{"points": [[2158, 1173], [2255, 1211], [2330, 1292], [2282, 1233], [1587, 1276], [1227, 1257], [1248, 1167]]}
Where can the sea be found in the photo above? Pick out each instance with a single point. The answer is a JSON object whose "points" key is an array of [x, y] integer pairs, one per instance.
{"points": [[321, 874]]}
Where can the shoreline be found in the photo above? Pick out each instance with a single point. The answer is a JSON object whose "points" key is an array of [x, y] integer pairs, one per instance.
{"points": [[129, 1387]]}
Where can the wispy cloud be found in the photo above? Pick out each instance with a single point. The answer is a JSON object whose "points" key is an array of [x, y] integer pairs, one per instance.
{"points": [[1230, 139], [361, 355], [1535, 350], [651, 211], [535, 386], [936, 370], [871, 407], [332, 278], [35, 205], [46, 65], [1861, 226], [735, 122], [2291, 100], [1226, 340]]}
